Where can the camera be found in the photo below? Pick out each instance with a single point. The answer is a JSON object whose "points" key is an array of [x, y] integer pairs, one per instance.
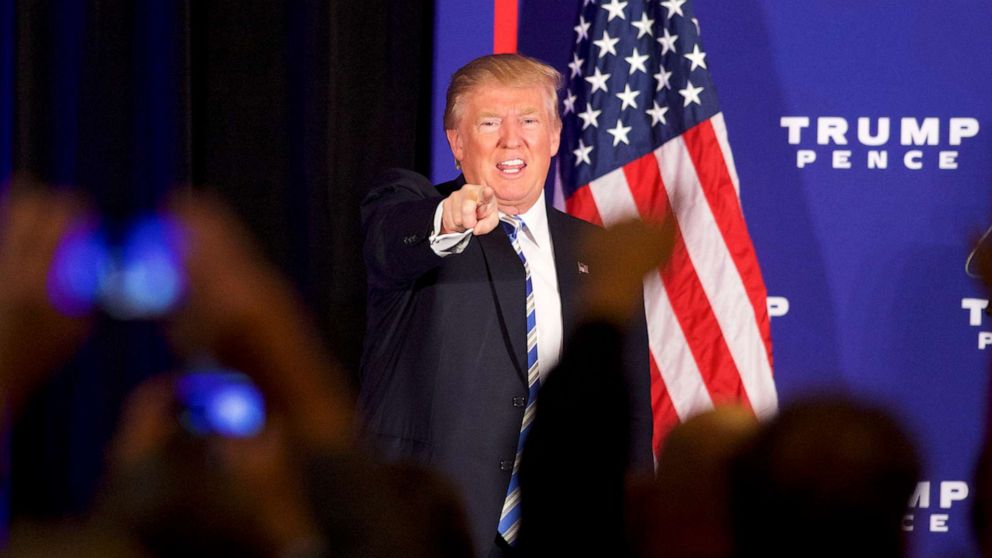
{"points": [[219, 402]]}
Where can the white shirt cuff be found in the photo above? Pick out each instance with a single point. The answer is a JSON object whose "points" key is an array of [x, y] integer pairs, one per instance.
{"points": [[449, 243]]}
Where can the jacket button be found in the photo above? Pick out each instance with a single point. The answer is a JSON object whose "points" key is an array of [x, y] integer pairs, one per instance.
{"points": [[505, 465], [520, 401]]}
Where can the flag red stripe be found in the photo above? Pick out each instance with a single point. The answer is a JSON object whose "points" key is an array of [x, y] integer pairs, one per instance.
{"points": [[504, 26], [662, 410], [685, 291], [704, 150], [582, 205], [646, 187]]}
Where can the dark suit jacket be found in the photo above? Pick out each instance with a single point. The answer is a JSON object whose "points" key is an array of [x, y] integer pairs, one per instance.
{"points": [[444, 365]]}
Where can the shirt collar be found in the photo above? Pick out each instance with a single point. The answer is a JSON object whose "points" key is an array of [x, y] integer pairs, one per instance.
{"points": [[536, 219]]}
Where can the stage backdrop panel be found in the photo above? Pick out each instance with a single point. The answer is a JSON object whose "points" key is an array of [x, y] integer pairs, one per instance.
{"points": [[862, 135]]}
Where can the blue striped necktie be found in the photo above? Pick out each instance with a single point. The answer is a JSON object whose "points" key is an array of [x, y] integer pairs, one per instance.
{"points": [[509, 521]]}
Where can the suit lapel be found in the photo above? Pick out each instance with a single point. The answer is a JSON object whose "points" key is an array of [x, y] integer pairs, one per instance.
{"points": [[566, 267], [506, 279]]}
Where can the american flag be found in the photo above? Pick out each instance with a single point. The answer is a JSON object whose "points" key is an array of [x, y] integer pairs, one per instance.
{"points": [[644, 137]]}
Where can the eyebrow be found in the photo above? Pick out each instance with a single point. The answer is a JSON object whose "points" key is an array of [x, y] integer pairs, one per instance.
{"points": [[526, 111]]}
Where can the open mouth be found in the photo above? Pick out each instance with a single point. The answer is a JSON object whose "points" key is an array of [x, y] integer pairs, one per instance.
{"points": [[511, 166]]}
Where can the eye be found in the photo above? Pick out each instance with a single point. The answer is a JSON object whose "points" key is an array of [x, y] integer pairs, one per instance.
{"points": [[530, 121], [489, 123]]}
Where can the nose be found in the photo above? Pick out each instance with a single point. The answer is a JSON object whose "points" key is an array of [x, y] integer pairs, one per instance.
{"points": [[510, 134]]}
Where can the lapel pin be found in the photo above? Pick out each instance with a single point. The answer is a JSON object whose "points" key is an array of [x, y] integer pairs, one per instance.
{"points": [[583, 268]]}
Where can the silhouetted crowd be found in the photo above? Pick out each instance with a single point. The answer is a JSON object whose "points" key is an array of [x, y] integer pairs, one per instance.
{"points": [[826, 477]]}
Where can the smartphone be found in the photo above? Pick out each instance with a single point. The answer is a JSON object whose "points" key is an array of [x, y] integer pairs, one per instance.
{"points": [[219, 402]]}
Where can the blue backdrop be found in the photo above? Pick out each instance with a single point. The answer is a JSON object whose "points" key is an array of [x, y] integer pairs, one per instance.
{"points": [[862, 235]]}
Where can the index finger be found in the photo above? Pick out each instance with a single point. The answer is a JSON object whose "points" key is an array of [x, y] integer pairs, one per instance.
{"points": [[484, 201]]}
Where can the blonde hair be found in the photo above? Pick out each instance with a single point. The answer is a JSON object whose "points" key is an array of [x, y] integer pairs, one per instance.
{"points": [[512, 70]]}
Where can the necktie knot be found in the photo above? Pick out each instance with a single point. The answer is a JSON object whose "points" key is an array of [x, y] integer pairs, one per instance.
{"points": [[512, 224]]}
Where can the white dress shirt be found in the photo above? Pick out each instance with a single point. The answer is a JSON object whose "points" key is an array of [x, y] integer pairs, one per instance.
{"points": [[539, 251]]}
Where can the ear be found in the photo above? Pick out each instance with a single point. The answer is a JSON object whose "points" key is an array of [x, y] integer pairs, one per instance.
{"points": [[456, 144], [555, 140]]}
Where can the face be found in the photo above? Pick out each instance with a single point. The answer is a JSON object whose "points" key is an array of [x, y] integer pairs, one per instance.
{"points": [[505, 139]]}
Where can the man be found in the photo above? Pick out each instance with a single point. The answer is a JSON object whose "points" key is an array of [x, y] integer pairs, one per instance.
{"points": [[454, 353]]}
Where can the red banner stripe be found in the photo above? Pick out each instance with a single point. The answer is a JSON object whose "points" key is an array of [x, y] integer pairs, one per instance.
{"points": [[504, 26]]}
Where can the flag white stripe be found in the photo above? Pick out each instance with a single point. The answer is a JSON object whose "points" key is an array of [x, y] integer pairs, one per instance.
{"points": [[718, 275], [720, 128], [613, 198], [668, 344]]}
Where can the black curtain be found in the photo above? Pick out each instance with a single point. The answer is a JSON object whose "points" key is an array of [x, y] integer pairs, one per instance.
{"points": [[286, 109]]}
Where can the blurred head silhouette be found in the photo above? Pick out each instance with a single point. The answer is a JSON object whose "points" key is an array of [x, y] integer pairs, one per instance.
{"points": [[683, 512], [827, 477]]}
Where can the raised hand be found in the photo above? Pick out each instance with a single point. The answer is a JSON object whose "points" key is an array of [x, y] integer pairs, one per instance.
{"points": [[471, 207], [35, 336]]}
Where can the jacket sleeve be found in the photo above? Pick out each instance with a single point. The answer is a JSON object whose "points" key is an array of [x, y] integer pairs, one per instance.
{"points": [[397, 220], [638, 371]]}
